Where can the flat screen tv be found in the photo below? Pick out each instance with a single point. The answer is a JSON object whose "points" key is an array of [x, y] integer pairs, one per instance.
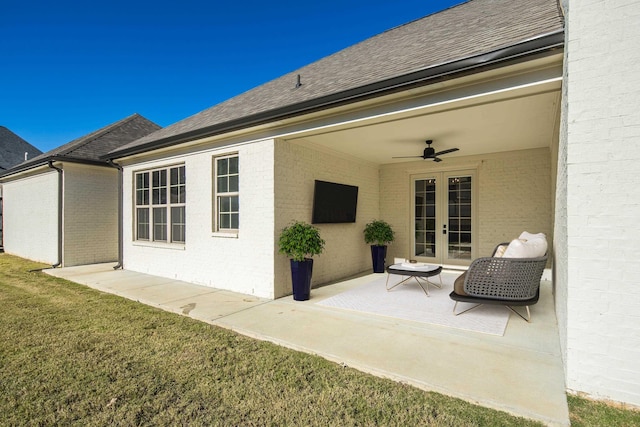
{"points": [[334, 203]]}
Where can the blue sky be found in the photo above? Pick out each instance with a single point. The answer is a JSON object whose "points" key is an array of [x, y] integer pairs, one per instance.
{"points": [[68, 68]]}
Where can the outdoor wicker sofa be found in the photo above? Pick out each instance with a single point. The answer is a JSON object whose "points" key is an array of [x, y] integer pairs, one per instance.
{"points": [[504, 281]]}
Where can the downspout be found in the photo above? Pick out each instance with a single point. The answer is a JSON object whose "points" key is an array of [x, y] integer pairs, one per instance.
{"points": [[60, 211], [120, 218]]}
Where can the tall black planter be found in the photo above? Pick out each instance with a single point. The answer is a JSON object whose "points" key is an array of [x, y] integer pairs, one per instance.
{"points": [[378, 254], [301, 278]]}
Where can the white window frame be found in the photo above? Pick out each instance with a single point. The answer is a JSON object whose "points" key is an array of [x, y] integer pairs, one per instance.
{"points": [[160, 197], [219, 228]]}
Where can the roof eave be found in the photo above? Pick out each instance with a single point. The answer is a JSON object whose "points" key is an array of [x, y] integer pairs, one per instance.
{"points": [[57, 158], [545, 43]]}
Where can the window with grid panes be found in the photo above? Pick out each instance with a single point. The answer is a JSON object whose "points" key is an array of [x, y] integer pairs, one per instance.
{"points": [[160, 205], [227, 199]]}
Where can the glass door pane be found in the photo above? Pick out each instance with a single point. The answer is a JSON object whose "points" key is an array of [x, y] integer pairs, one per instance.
{"points": [[442, 217], [459, 217], [425, 218]]}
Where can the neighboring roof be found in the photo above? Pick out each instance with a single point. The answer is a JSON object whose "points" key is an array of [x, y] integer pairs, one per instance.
{"points": [[92, 147], [413, 53], [13, 149]]}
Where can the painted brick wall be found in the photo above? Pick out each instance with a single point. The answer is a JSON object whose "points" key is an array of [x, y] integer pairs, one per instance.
{"points": [[560, 261], [297, 167], [395, 205], [90, 215], [514, 195], [31, 217], [603, 199], [243, 264]]}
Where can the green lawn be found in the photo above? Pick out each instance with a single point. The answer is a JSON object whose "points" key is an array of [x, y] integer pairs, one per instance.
{"points": [[70, 355]]}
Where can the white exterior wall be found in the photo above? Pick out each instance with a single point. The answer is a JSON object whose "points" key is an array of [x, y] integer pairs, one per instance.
{"points": [[560, 264], [514, 195], [31, 217], [90, 215], [346, 253], [602, 140], [244, 264]]}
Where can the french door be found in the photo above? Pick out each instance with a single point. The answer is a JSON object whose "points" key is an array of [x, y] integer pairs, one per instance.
{"points": [[443, 217]]}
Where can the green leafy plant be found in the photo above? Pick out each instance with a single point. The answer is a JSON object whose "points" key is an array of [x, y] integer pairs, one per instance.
{"points": [[300, 240], [378, 233]]}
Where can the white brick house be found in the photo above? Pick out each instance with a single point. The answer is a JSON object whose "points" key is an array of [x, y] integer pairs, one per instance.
{"points": [[345, 124], [541, 106], [61, 207]]}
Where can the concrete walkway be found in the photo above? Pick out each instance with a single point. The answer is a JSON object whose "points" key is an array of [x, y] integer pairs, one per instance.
{"points": [[520, 372]]}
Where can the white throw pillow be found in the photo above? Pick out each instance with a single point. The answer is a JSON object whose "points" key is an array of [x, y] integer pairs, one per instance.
{"points": [[529, 236], [532, 248]]}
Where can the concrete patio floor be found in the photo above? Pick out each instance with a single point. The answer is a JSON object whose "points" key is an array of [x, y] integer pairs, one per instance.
{"points": [[520, 372]]}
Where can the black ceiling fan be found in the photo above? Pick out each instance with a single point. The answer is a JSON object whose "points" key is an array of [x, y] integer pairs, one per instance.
{"points": [[430, 153]]}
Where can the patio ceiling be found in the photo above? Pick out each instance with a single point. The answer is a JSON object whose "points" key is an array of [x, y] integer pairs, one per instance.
{"points": [[517, 118]]}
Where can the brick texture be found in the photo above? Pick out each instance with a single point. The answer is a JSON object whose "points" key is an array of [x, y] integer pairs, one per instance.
{"points": [[297, 168], [90, 215], [276, 187], [602, 142], [243, 263]]}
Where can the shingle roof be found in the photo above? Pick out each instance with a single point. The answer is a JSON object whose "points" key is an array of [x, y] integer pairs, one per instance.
{"points": [[13, 149], [90, 148], [470, 29]]}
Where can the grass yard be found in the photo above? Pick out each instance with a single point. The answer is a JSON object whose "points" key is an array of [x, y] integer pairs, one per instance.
{"points": [[70, 355]]}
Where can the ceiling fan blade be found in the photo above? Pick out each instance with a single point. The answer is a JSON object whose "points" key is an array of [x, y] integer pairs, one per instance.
{"points": [[406, 157], [435, 159], [451, 150]]}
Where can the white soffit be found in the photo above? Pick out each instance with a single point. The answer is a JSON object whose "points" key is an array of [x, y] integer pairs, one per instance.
{"points": [[494, 119]]}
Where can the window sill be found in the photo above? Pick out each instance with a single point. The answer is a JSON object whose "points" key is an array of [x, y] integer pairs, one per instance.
{"points": [[160, 245], [225, 235]]}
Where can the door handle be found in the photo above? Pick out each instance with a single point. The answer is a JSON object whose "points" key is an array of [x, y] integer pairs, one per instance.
{"points": [[444, 228]]}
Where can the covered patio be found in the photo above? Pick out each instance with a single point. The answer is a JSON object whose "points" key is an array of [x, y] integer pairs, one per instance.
{"points": [[520, 372], [504, 127]]}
